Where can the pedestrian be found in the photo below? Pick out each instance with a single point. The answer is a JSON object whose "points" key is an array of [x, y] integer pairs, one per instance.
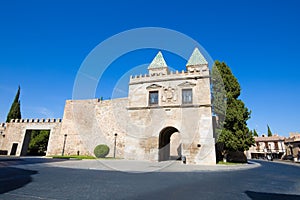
{"points": [[265, 152]]}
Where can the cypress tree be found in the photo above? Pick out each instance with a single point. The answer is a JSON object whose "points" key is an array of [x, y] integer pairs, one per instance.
{"points": [[255, 133], [218, 100], [15, 109], [234, 133], [269, 131]]}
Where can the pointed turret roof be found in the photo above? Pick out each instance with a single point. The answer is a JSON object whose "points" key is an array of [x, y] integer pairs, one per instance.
{"points": [[158, 62], [196, 58]]}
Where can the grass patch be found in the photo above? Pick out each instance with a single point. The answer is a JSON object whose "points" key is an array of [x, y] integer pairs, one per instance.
{"points": [[74, 157], [228, 163]]}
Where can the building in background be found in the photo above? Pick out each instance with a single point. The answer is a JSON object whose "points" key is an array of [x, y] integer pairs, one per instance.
{"points": [[292, 144], [264, 145]]}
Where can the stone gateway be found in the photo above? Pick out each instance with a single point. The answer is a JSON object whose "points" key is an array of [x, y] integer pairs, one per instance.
{"points": [[167, 115]]}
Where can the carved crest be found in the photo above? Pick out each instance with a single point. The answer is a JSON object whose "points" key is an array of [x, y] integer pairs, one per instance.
{"points": [[169, 95]]}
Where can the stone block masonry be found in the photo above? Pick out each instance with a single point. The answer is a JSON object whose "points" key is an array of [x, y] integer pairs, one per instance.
{"points": [[88, 123], [167, 115]]}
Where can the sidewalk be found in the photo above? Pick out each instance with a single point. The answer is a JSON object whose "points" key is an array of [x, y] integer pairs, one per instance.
{"points": [[142, 166]]}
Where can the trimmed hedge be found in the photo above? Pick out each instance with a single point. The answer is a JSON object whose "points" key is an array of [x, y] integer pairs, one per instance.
{"points": [[101, 151]]}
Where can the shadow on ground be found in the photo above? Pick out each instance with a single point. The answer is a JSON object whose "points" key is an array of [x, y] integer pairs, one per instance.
{"points": [[273, 196], [10, 161], [13, 178]]}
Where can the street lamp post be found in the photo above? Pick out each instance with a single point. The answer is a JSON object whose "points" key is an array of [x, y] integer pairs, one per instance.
{"points": [[115, 145], [63, 150]]}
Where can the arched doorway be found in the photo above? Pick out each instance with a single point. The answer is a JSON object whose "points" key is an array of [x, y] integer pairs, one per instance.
{"points": [[169, 144]]}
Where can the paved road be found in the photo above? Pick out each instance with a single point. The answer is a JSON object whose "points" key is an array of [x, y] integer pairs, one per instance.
{"points": [[34, 179]]}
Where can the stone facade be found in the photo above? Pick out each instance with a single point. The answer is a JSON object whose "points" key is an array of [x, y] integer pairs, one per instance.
{"points": [[167, 115], [292, 144]]}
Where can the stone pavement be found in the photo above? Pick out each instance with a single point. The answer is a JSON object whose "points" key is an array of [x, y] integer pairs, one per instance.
{"points": [[42, 178]]}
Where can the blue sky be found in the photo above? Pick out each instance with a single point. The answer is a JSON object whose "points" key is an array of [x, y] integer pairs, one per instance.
{"points": [[43, 44]]}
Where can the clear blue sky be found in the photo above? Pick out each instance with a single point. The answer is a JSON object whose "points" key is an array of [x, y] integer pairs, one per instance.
{"points": [[43, 43]]}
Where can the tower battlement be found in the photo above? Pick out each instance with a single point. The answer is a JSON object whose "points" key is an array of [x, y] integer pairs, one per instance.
{"points": [[196, 67], [202, 73], [35, 120]]}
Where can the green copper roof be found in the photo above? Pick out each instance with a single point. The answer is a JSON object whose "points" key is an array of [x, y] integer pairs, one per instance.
{"points": [[158, 62], [196, 58]]}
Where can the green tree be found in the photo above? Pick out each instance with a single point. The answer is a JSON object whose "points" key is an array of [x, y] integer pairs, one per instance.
{"points": [[255, 133], [234, 135], [269, 131], [38, 142], [15, 109]]}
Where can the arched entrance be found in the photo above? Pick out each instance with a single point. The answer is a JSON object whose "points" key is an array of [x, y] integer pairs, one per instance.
{"points": [[169, 144]]}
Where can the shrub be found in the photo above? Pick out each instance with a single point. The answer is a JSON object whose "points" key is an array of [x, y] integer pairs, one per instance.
{"points": [[101, 151], [237, 157]]}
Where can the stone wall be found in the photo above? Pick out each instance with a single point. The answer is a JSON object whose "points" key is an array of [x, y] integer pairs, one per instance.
{"points": [[145, 131], [88, 123]]}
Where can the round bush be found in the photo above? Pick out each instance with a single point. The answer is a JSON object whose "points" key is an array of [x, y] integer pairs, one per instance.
{"points": [[101, 151]]}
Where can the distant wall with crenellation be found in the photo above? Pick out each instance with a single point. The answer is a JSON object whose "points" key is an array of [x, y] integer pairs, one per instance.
{"points": [[14, 132]]}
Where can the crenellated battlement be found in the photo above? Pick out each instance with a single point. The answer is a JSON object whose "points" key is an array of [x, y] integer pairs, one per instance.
{"points": [[196, 68], [181, 73], [202, 73], [3, 125], [35, 120]]}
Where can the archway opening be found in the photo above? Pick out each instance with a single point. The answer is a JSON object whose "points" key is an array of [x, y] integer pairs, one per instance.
{"points": [[169, 144], [35, 143]]}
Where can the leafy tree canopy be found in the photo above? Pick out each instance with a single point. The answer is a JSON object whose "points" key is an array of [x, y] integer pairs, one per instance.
{"points": [[38, 142]]}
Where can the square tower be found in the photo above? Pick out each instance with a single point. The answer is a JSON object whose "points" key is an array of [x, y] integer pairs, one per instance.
{"points": [[165, 103]]}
